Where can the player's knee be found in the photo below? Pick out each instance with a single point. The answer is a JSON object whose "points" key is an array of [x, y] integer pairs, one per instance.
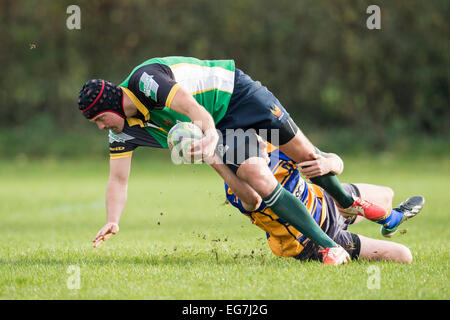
{"points": [[263, 185], [258, 175], [400, 254], [404, 255], [387, 195]]}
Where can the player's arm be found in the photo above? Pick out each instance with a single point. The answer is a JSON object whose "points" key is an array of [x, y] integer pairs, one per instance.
{"points": [[155, 84], [116, 191], [250, 199], [322, 164], [184, 103], [116, 198]]}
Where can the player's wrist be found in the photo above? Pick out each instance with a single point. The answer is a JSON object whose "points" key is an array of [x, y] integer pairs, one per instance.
{"points": [[212, 135], [337, 166], [212, 138]]}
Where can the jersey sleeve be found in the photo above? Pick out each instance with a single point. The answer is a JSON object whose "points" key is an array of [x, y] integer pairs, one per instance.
{"points": [[120, 148], [154, 85]]}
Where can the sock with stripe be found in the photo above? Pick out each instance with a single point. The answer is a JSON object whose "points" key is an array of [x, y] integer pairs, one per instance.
{"points": [[392, 220], [330, 183], [289, 208]]}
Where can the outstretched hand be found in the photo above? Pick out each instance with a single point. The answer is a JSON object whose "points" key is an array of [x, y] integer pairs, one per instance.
{"points": [[105, 233]]}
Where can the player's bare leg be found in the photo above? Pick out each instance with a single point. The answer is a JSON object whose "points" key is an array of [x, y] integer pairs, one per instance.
{"points": [[373, 249], [382, 196], [379, 195], [299, 149], [258, 175]]}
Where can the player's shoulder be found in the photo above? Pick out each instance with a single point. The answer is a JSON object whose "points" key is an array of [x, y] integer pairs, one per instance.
{"points": [[121, 137], [136, 133], [152, 65], [147, 70]]}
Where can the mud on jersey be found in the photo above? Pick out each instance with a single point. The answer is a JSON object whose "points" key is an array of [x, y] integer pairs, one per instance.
{"points": [[284, 240]]}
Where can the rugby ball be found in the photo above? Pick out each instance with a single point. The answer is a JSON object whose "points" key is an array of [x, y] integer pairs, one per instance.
{"points": [[179, 140]]}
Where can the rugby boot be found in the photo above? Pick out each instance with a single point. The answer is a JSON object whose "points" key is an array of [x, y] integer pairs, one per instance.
{"points": [[410, 208], [366, 209], [335, 256]]}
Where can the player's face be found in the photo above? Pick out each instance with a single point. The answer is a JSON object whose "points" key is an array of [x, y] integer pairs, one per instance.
{"points": [[109, 121]]}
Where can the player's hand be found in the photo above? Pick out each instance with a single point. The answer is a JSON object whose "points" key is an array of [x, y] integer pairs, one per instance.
{"points": [[315, 168], [105, 233], [205, 148]]}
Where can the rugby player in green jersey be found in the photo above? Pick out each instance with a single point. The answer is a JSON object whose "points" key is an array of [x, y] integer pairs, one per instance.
{"points": [[285, 241], [219, 98]]}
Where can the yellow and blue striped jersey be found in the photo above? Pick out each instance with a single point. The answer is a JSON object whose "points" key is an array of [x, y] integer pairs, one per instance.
{"points": [[284, 240]]}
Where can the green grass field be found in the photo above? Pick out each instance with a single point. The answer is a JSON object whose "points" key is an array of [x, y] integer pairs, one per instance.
{"points": [[179, 240]]}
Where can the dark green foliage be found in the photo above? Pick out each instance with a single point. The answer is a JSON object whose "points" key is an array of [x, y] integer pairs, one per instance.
{"points": [[318, 57]]}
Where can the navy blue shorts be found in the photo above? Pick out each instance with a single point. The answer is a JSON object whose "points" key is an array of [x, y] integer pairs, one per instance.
{"points": [[254, 110]]}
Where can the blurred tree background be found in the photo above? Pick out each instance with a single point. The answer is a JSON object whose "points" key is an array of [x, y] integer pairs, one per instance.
{"points": [[349, 88]]}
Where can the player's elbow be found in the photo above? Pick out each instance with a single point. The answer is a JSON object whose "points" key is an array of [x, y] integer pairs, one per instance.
{"points": [[252, 203]]}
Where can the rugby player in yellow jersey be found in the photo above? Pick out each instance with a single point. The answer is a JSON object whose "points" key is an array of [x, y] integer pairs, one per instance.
{"points": [[284, 240]]}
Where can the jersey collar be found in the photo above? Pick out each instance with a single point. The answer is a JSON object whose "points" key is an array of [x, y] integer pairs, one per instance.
{"points": [[138, 104]]}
